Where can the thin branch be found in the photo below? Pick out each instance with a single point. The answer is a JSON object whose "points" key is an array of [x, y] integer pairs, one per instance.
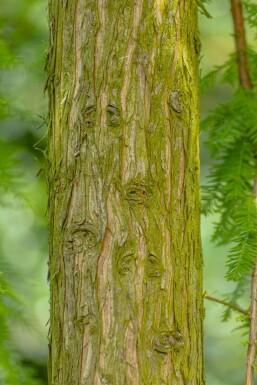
{"points": [[230, 305], [251, 354], [241, 47]]}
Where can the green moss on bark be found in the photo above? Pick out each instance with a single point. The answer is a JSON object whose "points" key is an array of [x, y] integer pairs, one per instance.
{"points": [[125, 254]]}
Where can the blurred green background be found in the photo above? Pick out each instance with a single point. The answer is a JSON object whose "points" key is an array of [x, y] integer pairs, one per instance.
{"points": [[23, 221]]}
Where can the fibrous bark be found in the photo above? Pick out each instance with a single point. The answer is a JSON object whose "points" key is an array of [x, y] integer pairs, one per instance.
{"points": [[125, 254]]}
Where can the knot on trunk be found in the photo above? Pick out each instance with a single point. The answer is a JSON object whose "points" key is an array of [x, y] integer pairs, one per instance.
{"points": [[168, 341], [136, 193], [154, 267]]}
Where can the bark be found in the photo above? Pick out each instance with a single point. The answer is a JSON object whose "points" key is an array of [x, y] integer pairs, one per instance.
{"points": [[125, 254]]}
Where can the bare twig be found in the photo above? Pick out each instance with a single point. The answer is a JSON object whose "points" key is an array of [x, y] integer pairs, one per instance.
{"points": [[230, 305], [245, 82]]}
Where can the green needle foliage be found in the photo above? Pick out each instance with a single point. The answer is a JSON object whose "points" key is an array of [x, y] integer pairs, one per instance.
{"points": [[12, 370], [231, 131], [251, 14]]}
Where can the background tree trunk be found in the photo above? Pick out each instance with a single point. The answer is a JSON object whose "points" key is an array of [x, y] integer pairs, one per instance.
{"points": [[125, 253]]}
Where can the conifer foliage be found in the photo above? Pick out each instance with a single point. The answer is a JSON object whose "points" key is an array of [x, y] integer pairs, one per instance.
{"points": [[14, 33], [231, 130]]}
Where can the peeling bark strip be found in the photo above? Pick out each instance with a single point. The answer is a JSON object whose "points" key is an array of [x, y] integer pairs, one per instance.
{"points": [[125, 254]]}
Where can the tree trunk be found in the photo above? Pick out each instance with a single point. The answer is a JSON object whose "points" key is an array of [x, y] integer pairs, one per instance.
{"points": [[125, 253]]}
